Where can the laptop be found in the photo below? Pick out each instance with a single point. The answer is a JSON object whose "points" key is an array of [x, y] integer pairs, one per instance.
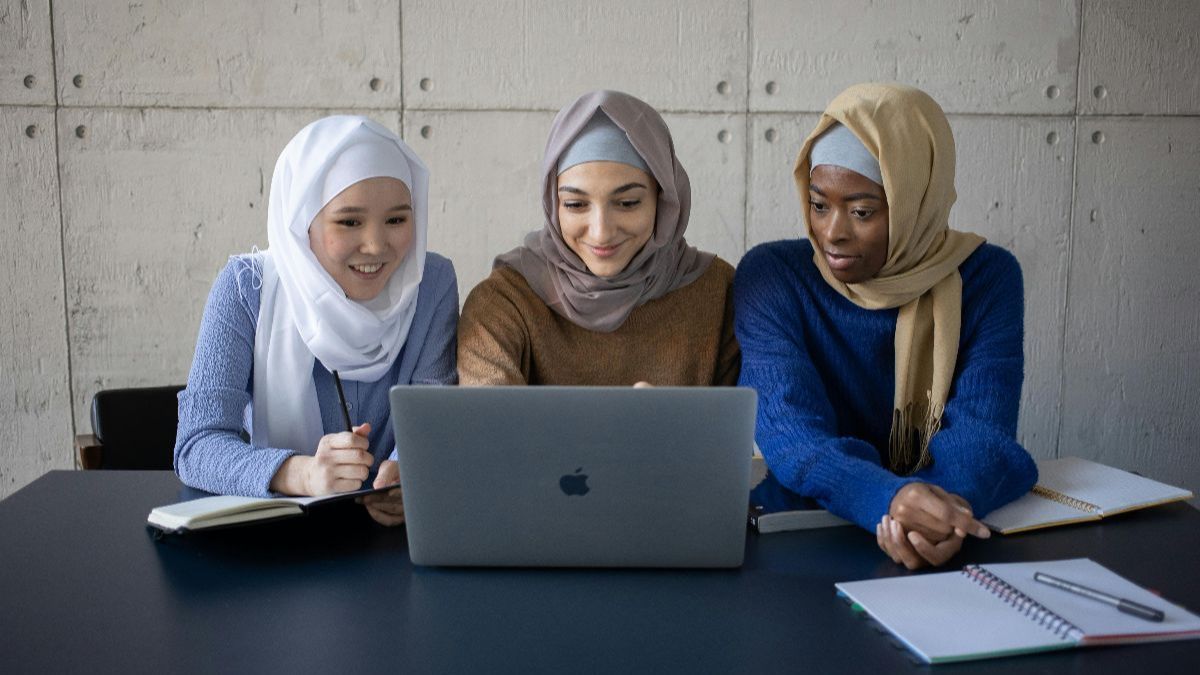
{"points": [[575, 476]]}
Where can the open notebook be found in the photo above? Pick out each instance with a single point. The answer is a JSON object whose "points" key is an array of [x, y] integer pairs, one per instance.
{"points": [[225, 510], [986, 611], [1072, 490]]}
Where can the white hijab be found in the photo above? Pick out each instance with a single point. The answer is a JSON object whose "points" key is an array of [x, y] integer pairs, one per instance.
{"points": [[303, 313]]}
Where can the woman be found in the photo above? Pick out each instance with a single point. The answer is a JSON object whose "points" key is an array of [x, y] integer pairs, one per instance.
{"points": [[608, 292], [346, 286], [887, 348]]}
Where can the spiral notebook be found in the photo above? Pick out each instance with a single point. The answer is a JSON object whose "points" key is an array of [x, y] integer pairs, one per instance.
{"points": [[1073, 490], [987, 611]]}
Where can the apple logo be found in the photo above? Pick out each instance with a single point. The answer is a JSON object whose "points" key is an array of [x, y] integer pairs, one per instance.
{"points": [[574, 483]]}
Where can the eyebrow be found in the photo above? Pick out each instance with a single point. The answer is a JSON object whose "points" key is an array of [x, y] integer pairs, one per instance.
{"points": [[359, 209], [624, 188], [857, 196]]}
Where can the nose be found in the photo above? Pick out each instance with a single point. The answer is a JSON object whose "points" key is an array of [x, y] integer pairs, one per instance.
{"points": [[373, 240], [600, 225], [836, 226]]}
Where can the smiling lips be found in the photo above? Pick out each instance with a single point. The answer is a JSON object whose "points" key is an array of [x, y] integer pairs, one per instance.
{"points": [[603, 251], [838, 261], [367, 270]]}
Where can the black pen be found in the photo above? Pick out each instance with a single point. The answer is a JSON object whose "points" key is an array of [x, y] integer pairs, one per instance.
{"points": [[342, 397], [1123, 605]]}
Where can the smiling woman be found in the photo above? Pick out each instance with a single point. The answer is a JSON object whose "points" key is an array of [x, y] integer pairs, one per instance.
{"points": [[607, 292], [347, 286], [887, 348]]}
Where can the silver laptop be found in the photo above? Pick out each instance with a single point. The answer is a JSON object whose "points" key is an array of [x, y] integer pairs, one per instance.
{"points": [[575, 476]]}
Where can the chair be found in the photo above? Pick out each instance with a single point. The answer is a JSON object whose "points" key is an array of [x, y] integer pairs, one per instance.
{"points": [[131, 429]]}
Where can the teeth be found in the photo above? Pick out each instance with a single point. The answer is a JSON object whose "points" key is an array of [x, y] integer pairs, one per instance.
{"points": [[367, 269]]}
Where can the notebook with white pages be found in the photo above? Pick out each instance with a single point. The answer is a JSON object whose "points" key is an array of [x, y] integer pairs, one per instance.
{"points": [[987, 611], [1073, 490]]}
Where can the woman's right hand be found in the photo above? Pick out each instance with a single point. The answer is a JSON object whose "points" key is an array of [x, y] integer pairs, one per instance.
{"points": [[341, 463], [935, 514]]}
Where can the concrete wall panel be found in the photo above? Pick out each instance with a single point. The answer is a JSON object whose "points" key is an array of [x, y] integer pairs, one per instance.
{"points": [[228, 53], [541, 54], [971, 55], [26, 54], [154, 203], [1132, 359], [35, 401], [1137, 61], [712, 149]]}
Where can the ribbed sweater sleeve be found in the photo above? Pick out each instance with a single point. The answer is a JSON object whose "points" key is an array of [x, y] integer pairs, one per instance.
{"points": [[209, 451], [976, 455], [797, 428]]}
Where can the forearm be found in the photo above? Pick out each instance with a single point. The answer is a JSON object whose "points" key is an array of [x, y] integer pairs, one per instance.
{"points": [[292, 476]]}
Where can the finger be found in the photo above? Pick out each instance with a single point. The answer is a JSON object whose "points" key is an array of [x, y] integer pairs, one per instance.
{"points": [[935, 554], [389, 516], [355, 472], [353, 456], [961, 515], [919, 512], [363, 430], [389, 474], [345, 440], [908, 555]]}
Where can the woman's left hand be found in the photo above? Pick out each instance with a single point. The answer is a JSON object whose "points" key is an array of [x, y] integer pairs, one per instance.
{"points": [[387, 508]]}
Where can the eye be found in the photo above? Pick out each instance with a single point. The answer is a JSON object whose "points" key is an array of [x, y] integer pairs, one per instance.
{"points": [[819, 207], [862, 214], [573, 204], [629, 203], [397, 220], [348, 222]]}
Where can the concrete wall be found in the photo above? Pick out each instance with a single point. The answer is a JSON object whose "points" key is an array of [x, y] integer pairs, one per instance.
{"points": [[138, 141]]}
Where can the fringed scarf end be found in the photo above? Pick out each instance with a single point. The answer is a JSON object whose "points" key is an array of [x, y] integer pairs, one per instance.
{"points": [[908, 445]]}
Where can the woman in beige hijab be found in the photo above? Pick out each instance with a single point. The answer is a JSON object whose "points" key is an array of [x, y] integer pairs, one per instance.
{"points": [[886, 348], [607, 292]]}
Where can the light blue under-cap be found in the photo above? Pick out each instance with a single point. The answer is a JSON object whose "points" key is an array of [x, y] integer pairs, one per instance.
{"points": [[840, 147], [601, 140]]}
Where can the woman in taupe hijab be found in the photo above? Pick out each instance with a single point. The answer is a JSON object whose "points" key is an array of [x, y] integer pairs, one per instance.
{"points": [[607, 292]]}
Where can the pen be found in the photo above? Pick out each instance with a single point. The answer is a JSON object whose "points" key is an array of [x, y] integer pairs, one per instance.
{"points": [[342, 397], [1123, 605]]}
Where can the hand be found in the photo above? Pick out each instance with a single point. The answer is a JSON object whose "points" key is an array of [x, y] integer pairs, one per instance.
{"points": [[910, 548], [935, 514], [341, 462], [387, 508]]}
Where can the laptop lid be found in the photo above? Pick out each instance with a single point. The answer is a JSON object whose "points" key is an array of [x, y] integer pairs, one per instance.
{"points": [[575, 476]]}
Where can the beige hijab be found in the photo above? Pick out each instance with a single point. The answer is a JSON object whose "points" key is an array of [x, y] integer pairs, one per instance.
{"points": [[664, 264], [908, 133]]}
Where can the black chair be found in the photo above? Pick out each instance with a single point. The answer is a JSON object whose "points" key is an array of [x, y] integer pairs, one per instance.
{"points": [[131, 429]]}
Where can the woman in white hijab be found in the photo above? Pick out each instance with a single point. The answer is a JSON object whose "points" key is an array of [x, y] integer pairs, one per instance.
{"points": [[345, 286]]}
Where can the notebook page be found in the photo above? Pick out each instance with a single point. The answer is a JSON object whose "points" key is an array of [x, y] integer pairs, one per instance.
{"points": [[1032, 511], [1113, 490], [948, 616], [1095, 619]]}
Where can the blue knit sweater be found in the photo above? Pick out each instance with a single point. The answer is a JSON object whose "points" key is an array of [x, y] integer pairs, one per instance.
{"points": [[824, 370], [209, 451]]}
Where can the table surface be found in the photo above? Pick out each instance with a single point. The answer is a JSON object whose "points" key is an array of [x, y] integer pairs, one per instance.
{"points": [[85, 587]]}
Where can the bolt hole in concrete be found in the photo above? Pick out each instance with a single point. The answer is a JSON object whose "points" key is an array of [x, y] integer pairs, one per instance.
{"points": [[1052, 91], [771, 135], [1052, 137], [77, 81], [1100, 92], [724, 136], [30, 81], [81, 131], [722, 87], [376, 84], [772, 88], [1095, 215], [426, 84], [1098, 137], [31, 130], [426, 131]]}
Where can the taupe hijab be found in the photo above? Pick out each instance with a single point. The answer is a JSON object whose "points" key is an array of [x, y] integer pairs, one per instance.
{"points": [[908, 133], [664, 264]]}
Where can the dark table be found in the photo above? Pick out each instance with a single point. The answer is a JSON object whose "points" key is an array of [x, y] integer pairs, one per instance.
{"points": [[85, 588]]}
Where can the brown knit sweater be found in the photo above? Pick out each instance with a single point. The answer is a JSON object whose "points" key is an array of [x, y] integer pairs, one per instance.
{"points": [[508, 335]]}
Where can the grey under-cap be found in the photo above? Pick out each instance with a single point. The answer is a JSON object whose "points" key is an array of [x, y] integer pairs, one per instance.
{"points": [[840, 147], [601, 140]]}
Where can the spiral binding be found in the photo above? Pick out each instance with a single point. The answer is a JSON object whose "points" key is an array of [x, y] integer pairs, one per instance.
{"points": [[1031, 608], [1056, 496]]}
